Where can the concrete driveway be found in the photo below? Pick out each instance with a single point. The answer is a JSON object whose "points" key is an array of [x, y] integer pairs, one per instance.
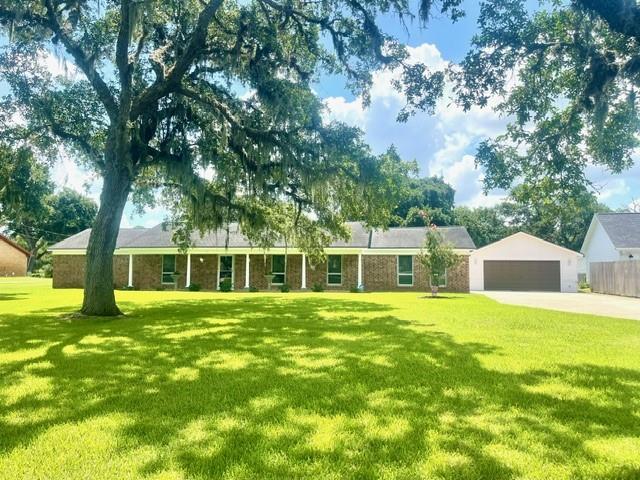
{"points": [[591, 303]]}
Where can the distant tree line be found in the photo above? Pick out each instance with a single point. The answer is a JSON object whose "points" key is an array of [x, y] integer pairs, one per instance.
{"points": [[32, 211], [559, 219]]}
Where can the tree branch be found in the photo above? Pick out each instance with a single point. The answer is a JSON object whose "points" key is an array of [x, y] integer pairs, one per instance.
{"points": [[79, 141], [163, 86], [122, 56], [622, 16], [82, 60], [9, 15]]}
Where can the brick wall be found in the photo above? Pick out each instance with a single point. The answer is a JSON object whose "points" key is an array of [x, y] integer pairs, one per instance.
{"points": [[238, 271], [318, 274], [68, 271], [13, 262], [203, 271], [379, 272], [260, 265]]}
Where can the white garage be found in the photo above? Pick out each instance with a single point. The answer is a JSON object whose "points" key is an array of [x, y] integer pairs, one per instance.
{"points": [[524, 263]]}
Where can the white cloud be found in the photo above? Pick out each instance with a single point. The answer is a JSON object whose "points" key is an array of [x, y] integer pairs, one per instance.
{"points": [[352, 113], [482, 200], [443, 143]]}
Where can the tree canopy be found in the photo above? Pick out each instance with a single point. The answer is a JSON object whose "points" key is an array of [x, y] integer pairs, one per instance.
{"points": [[567, 74], [209, 100], [557, 219], [436, 257], [425, 198], [29, 207], [484, 224]]}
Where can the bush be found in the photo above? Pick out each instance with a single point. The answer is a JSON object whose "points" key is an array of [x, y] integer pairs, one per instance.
{"points": [[286, 288], [46, 271], [584, 285], [355, 289], [194, 287], [225, 285], [317, 287], [253, 289]]}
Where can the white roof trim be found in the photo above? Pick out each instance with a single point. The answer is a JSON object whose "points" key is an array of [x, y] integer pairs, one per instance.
{"points": [[533, 237], [592, 228]]}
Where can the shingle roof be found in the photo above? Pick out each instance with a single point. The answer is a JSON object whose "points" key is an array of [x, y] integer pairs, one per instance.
{"points": [[623, 228], [80, 240], [160, 237], [413, 237], [6, 239]]}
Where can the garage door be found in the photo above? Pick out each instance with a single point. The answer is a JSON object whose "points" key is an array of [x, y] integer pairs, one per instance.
{"points": [[522, 276]]}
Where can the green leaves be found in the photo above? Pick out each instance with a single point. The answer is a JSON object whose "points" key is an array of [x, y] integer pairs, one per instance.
{"points": [[567, 76], [437, 256]]}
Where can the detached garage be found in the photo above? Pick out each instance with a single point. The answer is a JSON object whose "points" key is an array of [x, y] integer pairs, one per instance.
{"points": [[524, 263]]}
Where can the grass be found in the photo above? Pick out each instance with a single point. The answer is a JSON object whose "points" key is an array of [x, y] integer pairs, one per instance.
{"points": [[326, 385]]}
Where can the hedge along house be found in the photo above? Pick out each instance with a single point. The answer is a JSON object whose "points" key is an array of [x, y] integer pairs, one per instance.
{"points": [[147, 259]]}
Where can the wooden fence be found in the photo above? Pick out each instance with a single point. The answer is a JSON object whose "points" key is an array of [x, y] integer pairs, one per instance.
{"points": [[616, 278]]}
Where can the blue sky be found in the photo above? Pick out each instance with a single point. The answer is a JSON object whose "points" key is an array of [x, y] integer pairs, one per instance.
{"points": [[443, 143]]}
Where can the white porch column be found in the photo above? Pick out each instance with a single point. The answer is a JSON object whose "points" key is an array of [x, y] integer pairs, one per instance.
{"points": [[303, 284], [360, 284], [130, 285], [247, 271], [188, 270]]}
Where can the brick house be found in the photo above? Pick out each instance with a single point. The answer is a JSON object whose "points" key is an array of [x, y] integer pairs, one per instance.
{"points": [[146, 259], [13, 258]]}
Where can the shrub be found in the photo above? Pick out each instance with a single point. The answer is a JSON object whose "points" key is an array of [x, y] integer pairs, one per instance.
{"points": [[194, 287], [317, 287], [225, 285], [253, 289], [46, 271], [584, 285], [355, 289], [285, 288]]}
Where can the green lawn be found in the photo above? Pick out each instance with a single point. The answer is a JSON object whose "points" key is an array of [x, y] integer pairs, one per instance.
{"points": [[327, 385]]}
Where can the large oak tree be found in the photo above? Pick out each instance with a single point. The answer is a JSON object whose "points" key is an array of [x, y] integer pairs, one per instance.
{"points": [[568, 75], [210, 100]]}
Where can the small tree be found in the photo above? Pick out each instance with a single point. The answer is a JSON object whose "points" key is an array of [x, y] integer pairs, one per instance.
{"points": [[436, 257]]}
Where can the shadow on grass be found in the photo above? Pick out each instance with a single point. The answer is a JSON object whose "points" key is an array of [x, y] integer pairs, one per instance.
{"points": [[12, 296], [303, 387]]}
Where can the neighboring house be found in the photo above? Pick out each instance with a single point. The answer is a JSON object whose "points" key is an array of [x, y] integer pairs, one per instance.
{"points": [[612, 237], [522, 262], [146, 259], [13, 258]]}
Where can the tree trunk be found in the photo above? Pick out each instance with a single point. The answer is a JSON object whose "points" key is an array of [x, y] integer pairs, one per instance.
{"points": [[99, 297]]}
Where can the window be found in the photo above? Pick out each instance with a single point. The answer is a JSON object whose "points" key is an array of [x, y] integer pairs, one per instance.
{"points": [[168, 269], [334, 270], [405, 270], [439, 279], [225, 268], [277, 269]]}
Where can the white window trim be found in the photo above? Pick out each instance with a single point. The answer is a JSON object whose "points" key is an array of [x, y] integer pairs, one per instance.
{"points": [[341, 270], [413, 272], [284, 274], [233, 271], [163, 273]]}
